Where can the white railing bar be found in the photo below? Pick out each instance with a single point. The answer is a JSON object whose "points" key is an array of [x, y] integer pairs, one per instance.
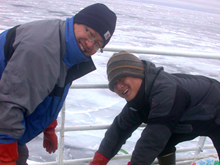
{"points": [[128, 156], [61, 140], [80, 86], [95, 86], [208, 146], [200, 144], [87, 127], [100, 127], [83, 128], [158, 51], [219, 76], [182, 159]]}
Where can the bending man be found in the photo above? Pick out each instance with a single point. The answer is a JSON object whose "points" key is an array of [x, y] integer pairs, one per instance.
{"points": [[175, 107], [38, 62]]}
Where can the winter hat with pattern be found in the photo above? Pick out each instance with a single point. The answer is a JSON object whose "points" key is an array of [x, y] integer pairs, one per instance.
{"points": [[123, 64], [100, 18]]}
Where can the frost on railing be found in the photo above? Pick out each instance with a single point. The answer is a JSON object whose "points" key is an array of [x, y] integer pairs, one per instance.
{"points": [[180, 160]]}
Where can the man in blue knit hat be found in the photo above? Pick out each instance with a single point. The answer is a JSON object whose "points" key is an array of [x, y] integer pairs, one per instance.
{"points": [[38, 62]]}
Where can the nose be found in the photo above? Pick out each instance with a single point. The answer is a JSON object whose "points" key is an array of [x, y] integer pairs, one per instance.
{"points": [[119, 85], [90, 43]]}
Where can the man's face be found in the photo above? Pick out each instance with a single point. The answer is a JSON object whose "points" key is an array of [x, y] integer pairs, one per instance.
{"points": [[127, 87], [88, 39]]}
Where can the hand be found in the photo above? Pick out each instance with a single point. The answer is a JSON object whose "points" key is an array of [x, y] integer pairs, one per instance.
{"points": [[50, 138], [8, 154], [129, 163], [99, 159]]}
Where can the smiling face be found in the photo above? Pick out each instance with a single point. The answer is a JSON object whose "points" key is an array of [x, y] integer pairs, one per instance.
{"points": [[127, 87], [86, 45]]}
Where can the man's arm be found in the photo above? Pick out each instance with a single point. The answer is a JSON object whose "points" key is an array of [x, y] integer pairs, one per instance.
{"points": [[151, 143], [120, 130], [166, 110]]}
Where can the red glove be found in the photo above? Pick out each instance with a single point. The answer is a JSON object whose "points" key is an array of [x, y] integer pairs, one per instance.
{"points": [[99, 159], [50, 138], [8, 154], [129, 163]]}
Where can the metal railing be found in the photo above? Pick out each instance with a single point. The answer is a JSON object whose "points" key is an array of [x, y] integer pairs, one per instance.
{"points": [[180, 160]]}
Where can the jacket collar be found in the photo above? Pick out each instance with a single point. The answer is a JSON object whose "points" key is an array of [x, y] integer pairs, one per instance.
{"points": [[73, 54]]}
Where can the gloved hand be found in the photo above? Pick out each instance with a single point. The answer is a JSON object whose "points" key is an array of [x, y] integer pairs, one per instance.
{"points": [[8, 154], [99, 159], [129, 163], [50, 138]]}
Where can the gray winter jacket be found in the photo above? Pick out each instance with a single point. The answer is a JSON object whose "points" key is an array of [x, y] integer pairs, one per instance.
{"points": [[38, 62]]}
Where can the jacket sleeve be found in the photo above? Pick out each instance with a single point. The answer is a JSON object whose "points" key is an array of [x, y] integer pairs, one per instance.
{"points": [[30, 75], [119, 131], [168, 105], [152, 141]]}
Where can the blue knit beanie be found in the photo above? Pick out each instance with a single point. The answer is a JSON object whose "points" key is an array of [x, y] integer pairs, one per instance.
{"points": [[100, 18]]}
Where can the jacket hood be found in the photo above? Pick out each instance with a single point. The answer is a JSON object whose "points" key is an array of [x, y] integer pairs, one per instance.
{"points": [[151, 72]]}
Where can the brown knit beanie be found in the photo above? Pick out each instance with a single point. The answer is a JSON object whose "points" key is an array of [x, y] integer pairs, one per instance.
{"points": [[123, 64]]}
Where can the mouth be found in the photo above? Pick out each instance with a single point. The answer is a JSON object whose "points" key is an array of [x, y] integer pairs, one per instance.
{"points": [[126, 91], [81, 48]]}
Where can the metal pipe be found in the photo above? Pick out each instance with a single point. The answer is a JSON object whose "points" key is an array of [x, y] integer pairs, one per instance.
{"points": [[82, 86], [87, 127], [179, 159], [209, 55], [61, 140]]}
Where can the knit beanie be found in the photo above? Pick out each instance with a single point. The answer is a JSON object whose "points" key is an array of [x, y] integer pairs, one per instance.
{"points": [[100, 18], [123, 64]]}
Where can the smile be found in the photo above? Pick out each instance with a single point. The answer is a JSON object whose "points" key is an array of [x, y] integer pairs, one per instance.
{"points": [[81, 47], [125, 92]]}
